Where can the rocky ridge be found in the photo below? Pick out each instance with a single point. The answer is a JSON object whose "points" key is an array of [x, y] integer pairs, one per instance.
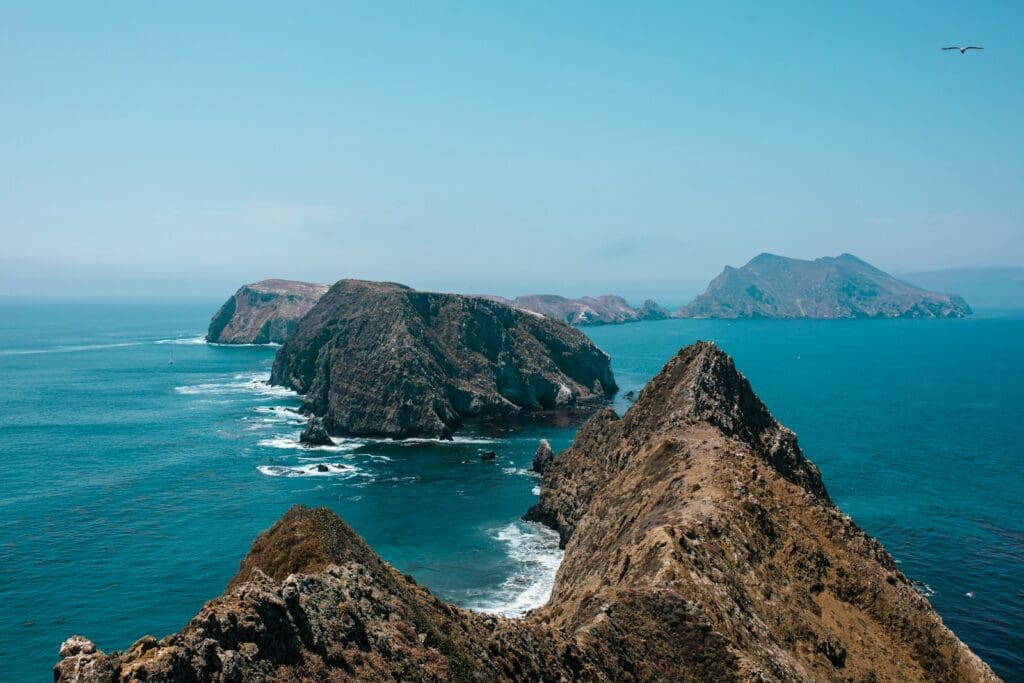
{"points": [[381, 359], [602, 310], [771, 286], [263, 312], [700, 545]]}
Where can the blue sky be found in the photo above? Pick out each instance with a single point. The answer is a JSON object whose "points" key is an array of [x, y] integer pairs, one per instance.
{"points": [[501, 147]]}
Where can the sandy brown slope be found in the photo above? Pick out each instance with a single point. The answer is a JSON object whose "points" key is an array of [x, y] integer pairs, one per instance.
{"points": [[700, 545]]}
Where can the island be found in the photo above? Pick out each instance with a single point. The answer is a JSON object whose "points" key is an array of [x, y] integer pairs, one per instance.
{"points": [[700, 545], [263, 312], [844, 286], [381, 359], [602, 310]]}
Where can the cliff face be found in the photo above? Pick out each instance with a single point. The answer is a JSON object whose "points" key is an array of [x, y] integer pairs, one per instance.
{"points": [[700, 545], [380, 359], [772, 286], [264, 312], [588, 310]]}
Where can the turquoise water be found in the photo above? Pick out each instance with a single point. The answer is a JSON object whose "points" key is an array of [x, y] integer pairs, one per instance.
{"points": [[132, 487]]}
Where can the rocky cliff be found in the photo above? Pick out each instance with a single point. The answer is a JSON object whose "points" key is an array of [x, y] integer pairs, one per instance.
{"points": [[264, 312], [700, 546], [588, 310], [771, 286], [381, 359]]}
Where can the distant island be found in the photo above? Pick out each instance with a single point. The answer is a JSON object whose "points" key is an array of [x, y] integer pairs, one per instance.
{"points": [[382, 359], [700, 545], [844, 286], [602, 310], [263, 312]]}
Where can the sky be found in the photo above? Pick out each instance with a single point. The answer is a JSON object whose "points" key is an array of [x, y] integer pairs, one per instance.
{"points": [[574, 148]]}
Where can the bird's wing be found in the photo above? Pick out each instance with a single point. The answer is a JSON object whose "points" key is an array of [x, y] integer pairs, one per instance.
{"points": [[951, 48], [973, 47]]}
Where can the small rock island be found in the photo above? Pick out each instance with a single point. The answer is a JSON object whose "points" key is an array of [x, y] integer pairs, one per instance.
{"points": [[263, 312], [700, 545], [844, 286], [381, 359]]}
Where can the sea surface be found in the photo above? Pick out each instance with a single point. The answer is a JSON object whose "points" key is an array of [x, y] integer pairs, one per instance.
{"points": [[131, 487]]}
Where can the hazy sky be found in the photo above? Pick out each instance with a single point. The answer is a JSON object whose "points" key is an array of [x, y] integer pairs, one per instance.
{"points": [[510, 147]]}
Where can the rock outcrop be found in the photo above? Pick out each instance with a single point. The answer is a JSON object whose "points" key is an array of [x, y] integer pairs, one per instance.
{"points": [[588, 310], [381, 359], [771, 286], [543, 457], [264, 312], [315, 434], [700, 545]]}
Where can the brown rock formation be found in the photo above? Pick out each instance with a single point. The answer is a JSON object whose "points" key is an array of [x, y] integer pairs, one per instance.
{"points": [[380, 359], [264, 312], [700, 545], [588, 310]]}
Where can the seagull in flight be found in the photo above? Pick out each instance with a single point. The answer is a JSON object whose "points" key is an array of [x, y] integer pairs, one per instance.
{"points": [[963, 49]]}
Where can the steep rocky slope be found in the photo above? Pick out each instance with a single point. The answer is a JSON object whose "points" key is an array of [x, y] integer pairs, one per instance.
{"points": [[771, 286], [700, 546], [264, 312], [588, 310], [380, 359]]}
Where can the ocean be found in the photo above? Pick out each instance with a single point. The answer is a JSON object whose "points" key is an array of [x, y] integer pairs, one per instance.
{"points": [[132, 487]]}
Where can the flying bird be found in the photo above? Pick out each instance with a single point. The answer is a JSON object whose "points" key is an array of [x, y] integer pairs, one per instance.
{"points": [[963, 49]]}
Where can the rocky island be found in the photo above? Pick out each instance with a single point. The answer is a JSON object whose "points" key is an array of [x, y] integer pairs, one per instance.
{"points": [[701, 545], [263, 312], [381, 359], [588, 310], [771, 286]]}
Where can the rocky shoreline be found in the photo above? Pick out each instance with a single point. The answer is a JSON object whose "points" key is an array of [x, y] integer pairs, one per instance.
{"points": [[700, 544]]}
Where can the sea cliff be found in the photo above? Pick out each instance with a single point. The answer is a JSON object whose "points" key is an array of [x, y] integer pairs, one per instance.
{"points": [[263, 312], [700, 545]]}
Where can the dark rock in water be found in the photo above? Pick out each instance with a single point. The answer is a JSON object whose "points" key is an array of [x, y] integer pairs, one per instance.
{"points": [[315, 434], [542, 457], [703, 548], [264, 312], [322, 468], [380, 359], [771, 286], [488, 455], [587, 310], [630, 396]]}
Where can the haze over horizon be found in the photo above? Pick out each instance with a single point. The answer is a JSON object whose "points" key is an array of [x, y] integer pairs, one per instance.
{"points": [[577, 149]]}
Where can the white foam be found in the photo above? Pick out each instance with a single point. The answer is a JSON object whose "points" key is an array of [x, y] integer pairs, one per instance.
{"points": [[68, 349], [242, 384], [535, 490], [454, 440], [320, 469], [520, 471], [534, 549], [182, 340], [291, 442]]}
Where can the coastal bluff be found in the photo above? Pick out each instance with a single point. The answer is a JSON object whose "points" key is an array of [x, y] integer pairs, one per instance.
{"points": [[588, 310], [771, 286], [381, 359], [700, 544], [263, 312]]}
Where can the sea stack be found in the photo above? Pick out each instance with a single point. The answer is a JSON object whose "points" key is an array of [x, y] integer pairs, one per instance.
{"points": [[314, 434], [700, 544], [771, 286], [263, 312], [380, 359]]}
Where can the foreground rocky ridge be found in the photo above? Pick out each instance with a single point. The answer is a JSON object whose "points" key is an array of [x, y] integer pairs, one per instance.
{"points": [[700, 545], [588, 310], [771, 286], [381, 359], [263, 312]]}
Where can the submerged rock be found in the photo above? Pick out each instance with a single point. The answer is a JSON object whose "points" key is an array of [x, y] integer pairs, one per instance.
{"points": [[488, 456], [263, 312], [315, 434], [543, 457], [380, 359], [700, 545]]}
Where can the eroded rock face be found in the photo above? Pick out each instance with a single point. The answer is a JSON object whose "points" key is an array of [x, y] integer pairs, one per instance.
{"points": [[314, 434], [380, 359], [700, 545], [543, 457], [771, 286], [588, 310], [264, 312]]}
